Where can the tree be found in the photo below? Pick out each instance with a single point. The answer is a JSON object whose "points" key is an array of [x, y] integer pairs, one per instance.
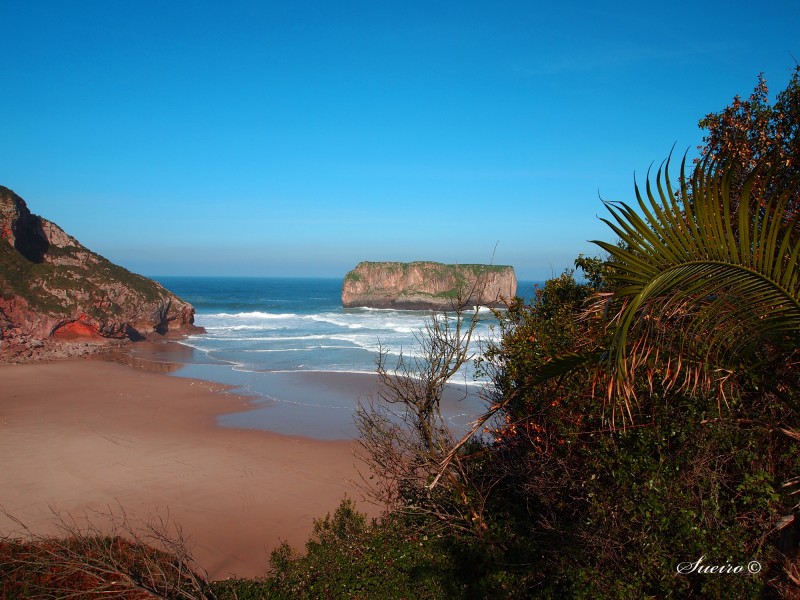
{"points": [[752, 132], [692, 330], [696, 297], [691, 308], [404, 437]]}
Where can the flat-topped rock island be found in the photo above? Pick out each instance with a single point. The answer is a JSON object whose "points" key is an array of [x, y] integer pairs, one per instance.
{"points": [[426, 285]]}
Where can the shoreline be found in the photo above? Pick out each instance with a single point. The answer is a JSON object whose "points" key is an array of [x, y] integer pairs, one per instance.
{"points": [[317, 405], [80, 435], [314, 404]]}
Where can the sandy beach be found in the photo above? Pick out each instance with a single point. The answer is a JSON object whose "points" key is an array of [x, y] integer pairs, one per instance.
{"points": [[83, 435]]}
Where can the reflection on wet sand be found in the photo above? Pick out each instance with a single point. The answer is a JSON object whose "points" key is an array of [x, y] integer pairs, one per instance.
{"points": [[153, 357]]}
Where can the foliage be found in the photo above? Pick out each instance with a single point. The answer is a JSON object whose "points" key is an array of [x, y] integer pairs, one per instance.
{"points": [[751, 133], [612, 511], [596, 508], [347, 557], [701, 298], [353, 276]]}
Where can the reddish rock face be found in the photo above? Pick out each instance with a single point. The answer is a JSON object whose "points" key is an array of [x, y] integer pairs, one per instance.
{"points": [[75, 330], [427, 285], [52, 287]]}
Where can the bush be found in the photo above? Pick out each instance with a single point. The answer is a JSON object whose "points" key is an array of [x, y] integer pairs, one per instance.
{"points": [[350, 558], [614, 509]]}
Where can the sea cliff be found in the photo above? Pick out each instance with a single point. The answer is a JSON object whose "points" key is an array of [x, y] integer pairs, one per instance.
{"points": [[53, 288], [427, 285]]}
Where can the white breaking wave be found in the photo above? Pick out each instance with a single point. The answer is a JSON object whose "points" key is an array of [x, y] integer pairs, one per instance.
{"points": [[235, 328], [258, 340], [248, 315], [333, 320]]}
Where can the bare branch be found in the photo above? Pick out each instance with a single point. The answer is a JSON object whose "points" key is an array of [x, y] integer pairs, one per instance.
{"points": [[121, 559], [404, 436]]}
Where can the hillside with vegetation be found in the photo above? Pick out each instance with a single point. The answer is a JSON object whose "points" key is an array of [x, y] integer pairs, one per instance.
{"points": [[642, 433], [53, 288]]}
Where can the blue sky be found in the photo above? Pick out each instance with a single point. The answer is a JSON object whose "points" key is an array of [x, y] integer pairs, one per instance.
{"points": [[299, 138]]}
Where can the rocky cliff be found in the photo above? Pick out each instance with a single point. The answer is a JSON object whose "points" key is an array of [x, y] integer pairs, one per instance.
{"points": [[53, 288], [427, 285]]}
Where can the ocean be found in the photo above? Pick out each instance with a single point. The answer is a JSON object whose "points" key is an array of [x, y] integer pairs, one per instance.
{"points": [[305, 361]]}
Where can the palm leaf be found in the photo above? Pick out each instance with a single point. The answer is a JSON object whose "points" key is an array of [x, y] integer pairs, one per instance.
{"points": [[719, 289]]}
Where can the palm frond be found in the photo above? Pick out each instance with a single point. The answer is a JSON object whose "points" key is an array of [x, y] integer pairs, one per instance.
{"points": [[694, 280]]}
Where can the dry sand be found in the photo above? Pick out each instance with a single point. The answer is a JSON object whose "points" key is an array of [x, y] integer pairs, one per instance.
{"points": [[84, 435]]}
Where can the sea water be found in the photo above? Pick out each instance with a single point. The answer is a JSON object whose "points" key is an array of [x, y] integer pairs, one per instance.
{"points": [[283, 341]]}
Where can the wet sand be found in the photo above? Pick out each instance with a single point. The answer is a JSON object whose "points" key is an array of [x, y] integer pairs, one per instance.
{"points": [[315, 404], [83, 435]]}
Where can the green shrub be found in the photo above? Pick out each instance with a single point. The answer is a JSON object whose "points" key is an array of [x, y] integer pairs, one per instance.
{"points": [[347, 557]]}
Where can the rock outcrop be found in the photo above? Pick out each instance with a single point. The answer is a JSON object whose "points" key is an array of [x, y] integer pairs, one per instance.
{"points": [[53, 288], [427, 285]]}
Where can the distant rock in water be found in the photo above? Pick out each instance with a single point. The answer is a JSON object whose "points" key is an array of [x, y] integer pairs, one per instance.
{"points": [[51, 287], [427, 285]]}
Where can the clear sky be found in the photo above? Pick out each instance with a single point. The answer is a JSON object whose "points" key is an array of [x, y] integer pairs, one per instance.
{"points": [[299, 138]]}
